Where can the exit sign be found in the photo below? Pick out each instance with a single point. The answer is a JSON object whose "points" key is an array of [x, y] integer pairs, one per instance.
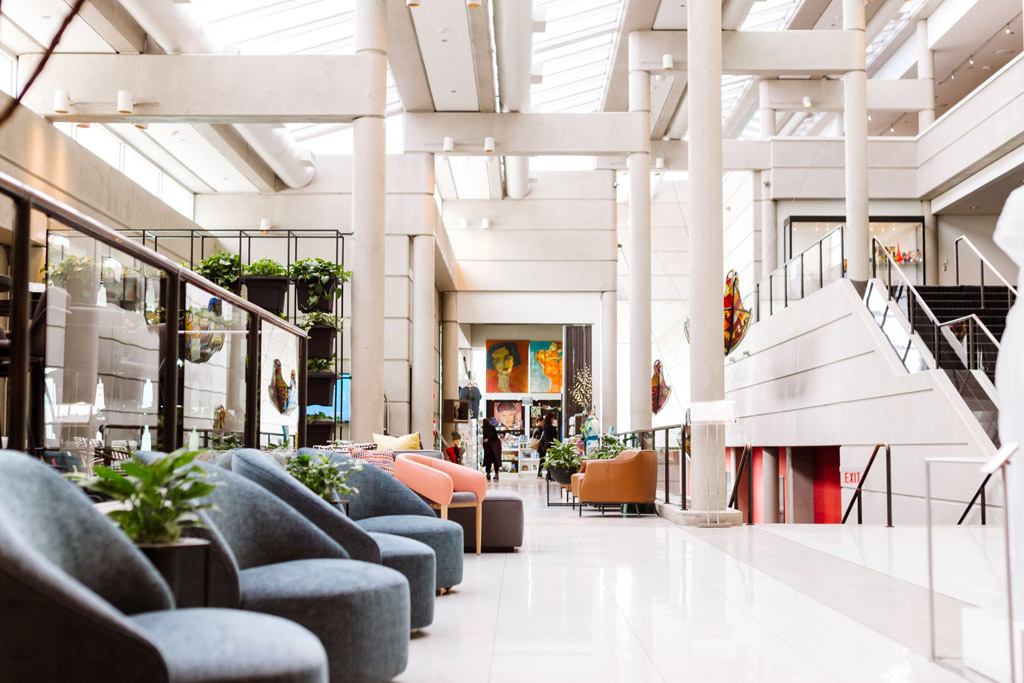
{"points": [[850, 476]]}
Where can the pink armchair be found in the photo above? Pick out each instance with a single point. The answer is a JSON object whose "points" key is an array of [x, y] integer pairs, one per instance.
{"points": [[444, 484]]}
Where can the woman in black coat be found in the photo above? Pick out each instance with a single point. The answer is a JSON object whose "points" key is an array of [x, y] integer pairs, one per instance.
{"points": [[548, 433], [492, 449]]}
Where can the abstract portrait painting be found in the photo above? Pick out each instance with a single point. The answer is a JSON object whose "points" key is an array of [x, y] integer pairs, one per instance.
{"points": [[545, 367], [507, 369]]}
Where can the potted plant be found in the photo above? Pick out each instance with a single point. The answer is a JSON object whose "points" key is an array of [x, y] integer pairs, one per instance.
{"points": [[320, 380], [319, 428], [323, 331], [608, 447], [563, 460], [316, 283], [266, 284], [223, 269], [323, 477], [159, 500], [80, 276]]}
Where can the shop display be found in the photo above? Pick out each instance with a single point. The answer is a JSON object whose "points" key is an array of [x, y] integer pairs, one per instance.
{"points": [[507, 371], [545, 367]]}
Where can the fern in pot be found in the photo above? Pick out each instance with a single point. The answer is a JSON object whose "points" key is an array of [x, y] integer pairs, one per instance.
{"points": [[266, 284], [563, 460], [316, 283]]}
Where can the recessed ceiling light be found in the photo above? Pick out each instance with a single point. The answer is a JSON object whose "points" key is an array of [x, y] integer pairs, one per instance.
{"points": [[973, 207], [986, 68], [1004, 51]]}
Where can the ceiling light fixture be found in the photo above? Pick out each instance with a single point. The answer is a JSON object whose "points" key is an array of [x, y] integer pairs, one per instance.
{"points": [[659, 165], [488, 144], [970, 60], [448, 145], [659, 77], [264, 226], [892, 128], [125, 102], [667, 63], [485, 224], [869, 116], [807, 102], [1008, 31], [412, 3], [974, 207], [472, 4], [141, 126], [83, 124], [61, 102], [952, 76]]}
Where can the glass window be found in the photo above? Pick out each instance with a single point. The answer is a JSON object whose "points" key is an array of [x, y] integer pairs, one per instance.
{"points": [[141, 171], [8, 74], [177, 197], [101, 143]]}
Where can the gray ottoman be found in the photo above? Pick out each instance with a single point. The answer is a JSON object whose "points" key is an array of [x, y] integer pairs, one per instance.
{"points": [[502, 522]]}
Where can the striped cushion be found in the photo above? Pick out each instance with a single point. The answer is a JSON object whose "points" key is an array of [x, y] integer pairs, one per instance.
{"points": [[383, 459]]}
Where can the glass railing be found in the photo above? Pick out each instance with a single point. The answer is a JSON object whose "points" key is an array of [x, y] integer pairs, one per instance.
{"points": [[669, 442], [820, 264]]}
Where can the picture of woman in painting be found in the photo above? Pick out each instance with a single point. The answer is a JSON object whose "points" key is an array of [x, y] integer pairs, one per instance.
{"points": [[506, 371]]}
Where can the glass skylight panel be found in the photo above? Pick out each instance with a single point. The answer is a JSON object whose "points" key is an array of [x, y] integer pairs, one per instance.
{"points": [[733, 88], [808, 124], [770, 15], [281, 26], [907, 11]]}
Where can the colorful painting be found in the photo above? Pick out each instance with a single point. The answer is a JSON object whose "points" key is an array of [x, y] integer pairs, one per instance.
{"points": [[507, 369], [660, 390], [736, 319], [509, 414], [546, 367]]}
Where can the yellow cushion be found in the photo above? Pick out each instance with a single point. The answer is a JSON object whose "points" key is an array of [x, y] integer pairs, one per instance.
{"points": [[409, 442]]}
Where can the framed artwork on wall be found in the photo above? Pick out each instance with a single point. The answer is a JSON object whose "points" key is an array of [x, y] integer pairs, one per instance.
{"points": [[507, 369], [545, 367]]}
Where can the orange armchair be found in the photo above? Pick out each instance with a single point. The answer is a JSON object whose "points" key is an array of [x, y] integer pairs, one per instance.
{"points": [[444, 484], [629, 477]]}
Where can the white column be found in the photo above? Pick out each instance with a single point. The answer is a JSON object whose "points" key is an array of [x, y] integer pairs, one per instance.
{"points": [[855, 119], [770, 484], [368, 200], [424, 334], [766, 207], [931, 244], [707, 375], [640, 365], [925, 72], [449, 357], [609, 360]]}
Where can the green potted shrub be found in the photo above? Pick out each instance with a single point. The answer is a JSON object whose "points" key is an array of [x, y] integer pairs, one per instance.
{"points": [[563, 460], [319, 428], [608, 447], [79, 276], [159, 500], [323, 477], [266, 284], [322, 329], [316, 283], [320, 380], [223, 269]]}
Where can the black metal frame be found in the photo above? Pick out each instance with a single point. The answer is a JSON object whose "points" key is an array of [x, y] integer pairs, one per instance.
{"points": [[637, 438], [1011, 292], [25, 201], [857, 495], [978, 495], [547, 494], [746, 464], [841, 229]]}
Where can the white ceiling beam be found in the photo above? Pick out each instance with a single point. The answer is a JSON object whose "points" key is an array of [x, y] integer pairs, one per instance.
{"points": [[528, 134], [827, 95], [734, 13], [660, 120], [483, 64], [229, 143], [637, 15], [320, 88], [757, 53], [405, 60], [114, 25]]}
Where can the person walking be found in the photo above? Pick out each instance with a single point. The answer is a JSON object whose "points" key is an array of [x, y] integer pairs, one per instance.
{"points": [[492, 448], [548, 433]]}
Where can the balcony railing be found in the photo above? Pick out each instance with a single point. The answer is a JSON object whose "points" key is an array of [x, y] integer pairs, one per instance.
{"points": [[816, 266]]}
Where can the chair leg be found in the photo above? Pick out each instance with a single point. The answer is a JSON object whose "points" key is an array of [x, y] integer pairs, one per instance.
{"points": [[444, 512], [479, 525]]}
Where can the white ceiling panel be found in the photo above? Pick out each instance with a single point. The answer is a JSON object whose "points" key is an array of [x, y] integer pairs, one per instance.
{"points": [[40, 20], [193, 150], [471, 177], [277, 27], [671, 16], [442, 27]]}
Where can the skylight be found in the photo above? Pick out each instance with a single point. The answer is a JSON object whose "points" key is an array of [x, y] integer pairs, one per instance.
{"points": [[281, 27], [907, 11], [574, 53], [770, 15]]}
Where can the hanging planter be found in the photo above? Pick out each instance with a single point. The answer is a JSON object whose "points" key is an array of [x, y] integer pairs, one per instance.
{"points": [[322, 329], [266, 285], [223, 269], [320, 387], [320, 432], [316, 283]]}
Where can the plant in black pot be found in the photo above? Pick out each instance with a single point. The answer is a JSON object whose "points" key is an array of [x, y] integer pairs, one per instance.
{"points": [[159, 500], [80, 276], [320, 380], [266, 284], [323, 331], [563, 460], [316, 283], [319, 428], [324, 477], [223, 269]]}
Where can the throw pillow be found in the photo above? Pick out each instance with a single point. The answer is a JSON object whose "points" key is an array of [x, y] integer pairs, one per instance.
{"points": [[409, 442], [382, 459]]}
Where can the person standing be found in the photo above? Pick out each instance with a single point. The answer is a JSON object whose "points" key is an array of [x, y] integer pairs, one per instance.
{"points": [[548, 433], [492, 448]]}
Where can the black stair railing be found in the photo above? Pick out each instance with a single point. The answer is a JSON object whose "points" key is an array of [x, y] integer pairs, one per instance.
{"points": [[858, 494], [983, 264], [746, 465]]}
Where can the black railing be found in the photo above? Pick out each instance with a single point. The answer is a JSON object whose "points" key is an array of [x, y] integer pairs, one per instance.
{"points": [[979, 497], [983, 263], [746, 464], [646, 439], [858, 494], [810, 268]]}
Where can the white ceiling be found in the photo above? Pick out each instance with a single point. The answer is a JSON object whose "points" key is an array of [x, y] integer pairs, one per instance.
{"points": [[442, 27], [31, 24]]}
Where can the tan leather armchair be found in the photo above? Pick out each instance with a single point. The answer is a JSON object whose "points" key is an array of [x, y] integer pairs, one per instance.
{"points": [[629, 477]]}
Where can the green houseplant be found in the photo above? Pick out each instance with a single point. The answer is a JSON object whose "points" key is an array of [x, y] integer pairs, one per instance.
{"points": [[80, 276], [323, 331], [323, 477], [316, 283], [608, 447], [223, 269], [266, 284], [563, 460], [320, 380], [319, 428]]}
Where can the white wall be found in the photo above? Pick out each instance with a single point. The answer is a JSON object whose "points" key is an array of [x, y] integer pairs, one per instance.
{"points": [[979, 230]]}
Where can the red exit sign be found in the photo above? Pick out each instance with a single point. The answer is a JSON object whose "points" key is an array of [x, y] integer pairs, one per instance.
{"points": [[851, 477]]}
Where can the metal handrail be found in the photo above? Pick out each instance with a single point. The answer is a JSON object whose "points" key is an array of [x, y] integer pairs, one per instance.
{"points": [[971, 347], [747, 458], [979, 494], [981, 267], [633, 436], [977, 321], [800, 257], [858, 494]]}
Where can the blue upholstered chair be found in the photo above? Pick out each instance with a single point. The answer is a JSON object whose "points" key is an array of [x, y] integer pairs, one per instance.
{"points": [[415, 560], [385, 505], [78, 601]]}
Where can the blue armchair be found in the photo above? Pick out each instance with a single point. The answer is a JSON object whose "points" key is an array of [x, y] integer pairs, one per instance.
{"points": [[78, 601]]}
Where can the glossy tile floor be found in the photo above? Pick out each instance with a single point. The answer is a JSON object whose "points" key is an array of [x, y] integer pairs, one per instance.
{"points": [[612, 599]]}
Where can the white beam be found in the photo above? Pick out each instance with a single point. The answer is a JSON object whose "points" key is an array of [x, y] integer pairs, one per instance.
{"points": [[405, 60], [758, 53], [228, 141], [320, 88], [827, 95], [528, 134], [114, 25]]}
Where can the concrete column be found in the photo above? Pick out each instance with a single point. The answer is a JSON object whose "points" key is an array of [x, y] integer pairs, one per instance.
{"points": [[925, 72], [449, 357], [855, 118], [766, 207], [640, 365], [368, 200], [770, 484], [931, 244], [609, 360], [707, 375], [424, 334]]}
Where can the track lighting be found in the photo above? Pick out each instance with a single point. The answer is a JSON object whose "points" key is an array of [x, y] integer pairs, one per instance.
{"points": [[61, 102], [472, 4], [412, 3], [125, 102], [952, 76], [448, 145], [807, 102], [659, 165], [892, 129], [1008, 31], [667, 63], [869, 116], [141, 126], [488, 144], [970, 60], [485, 224], [264, 226]]}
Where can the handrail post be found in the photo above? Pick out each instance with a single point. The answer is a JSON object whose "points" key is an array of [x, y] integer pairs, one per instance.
{"points": [[970, 345], [802, 275], [888, 278], [821, 265], [757, 295], [981, 270], [667, 469], [785, 286], [956, 260], [749, 454], [682, 465], [771, 295], [888, 486], [983, 502]]}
